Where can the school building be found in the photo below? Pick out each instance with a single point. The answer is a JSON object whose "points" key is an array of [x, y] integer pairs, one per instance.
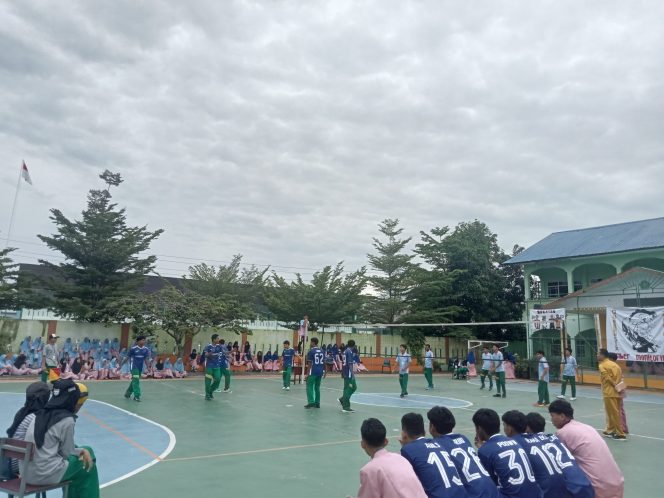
{"points": [[587, 270]]}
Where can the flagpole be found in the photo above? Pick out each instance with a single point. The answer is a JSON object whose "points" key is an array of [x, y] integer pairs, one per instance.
{"points": [[11, 217]]}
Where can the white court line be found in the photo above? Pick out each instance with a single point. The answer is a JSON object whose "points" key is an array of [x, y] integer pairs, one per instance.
{"points": [[164, 454]]}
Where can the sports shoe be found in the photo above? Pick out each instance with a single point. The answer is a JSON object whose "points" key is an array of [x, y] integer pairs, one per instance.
{"points": [[504, 395], [137, 399], [561, 396], [208, 398], [402, 395], [218, 390], [619, 438], [347, 410], [481, 387], [607, 434], [427, 388], [283, 388], [539, 404], [227, 391], [127, 395], [572, 399], [496, 395], [288, 389], [309, 405], [316, 405]]}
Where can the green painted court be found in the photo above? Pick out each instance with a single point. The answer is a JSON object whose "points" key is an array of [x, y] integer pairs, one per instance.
{"points": [[260, 441]]}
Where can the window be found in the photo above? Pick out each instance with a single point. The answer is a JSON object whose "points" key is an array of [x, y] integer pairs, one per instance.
{"points": [[580, 349], [577, 286], [555, 349], [556, 289]]}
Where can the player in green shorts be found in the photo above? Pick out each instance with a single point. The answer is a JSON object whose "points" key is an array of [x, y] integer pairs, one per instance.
{"points": [[316, 363], [350, 386], [287, 356]]}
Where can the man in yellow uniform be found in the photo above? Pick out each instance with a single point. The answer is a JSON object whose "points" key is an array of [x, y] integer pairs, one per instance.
{"points": [[610, 375]]}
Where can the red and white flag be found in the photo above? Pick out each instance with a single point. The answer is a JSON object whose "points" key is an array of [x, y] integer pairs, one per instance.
{"points": [[26, 174]]}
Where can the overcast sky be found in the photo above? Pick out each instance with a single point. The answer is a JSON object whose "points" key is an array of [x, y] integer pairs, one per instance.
{"points": [[286, 131]]}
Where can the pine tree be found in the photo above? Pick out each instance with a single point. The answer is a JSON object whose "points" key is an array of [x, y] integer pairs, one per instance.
{"points": [[102, 262], [395, 272]]}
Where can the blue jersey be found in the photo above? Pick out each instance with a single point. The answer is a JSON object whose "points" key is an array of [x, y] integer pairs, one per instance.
{"points": [[476, 480], [317, 359], [509, 466], [287, 355], [576, 480], [547, 472], [214, 356], [349, 360], [434, 468], [137, 356]]}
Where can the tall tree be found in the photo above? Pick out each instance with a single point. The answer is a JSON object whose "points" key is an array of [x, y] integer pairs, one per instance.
{"points": [[394, 276], [247, 285], [330, 297], [102, 258]]}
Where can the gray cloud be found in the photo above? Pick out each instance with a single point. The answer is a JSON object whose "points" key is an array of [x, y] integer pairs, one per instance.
{"points": [[286, 131]]}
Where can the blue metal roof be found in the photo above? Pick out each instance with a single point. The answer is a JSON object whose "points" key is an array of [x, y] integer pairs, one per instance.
{"points": [[622, 237]]}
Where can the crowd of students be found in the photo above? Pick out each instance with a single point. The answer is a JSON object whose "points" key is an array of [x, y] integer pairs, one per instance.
{"points": [[88, 360], [524, 462]]}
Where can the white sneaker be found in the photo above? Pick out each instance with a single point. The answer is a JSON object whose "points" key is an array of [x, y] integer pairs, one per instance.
{"points": [[561, 396], [283, 388], [288, 389], [227, 391], [572, 399], [218, 391]]}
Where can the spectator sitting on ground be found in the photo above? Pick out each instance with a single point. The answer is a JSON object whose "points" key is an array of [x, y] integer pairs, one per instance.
{"points": [[36, 397], [167, 371], [387, 475], [158, 369], [267, 361], [589, 449], [258, 361], [178, 369], [56, 459], [113, 369]]}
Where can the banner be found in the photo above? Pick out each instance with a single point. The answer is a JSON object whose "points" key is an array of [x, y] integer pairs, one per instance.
{"points": [[547, 319], [636, 334]]}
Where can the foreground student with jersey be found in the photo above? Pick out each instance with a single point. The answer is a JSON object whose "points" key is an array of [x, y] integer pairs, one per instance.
{"points": [[431, 463], [387, 475], [589, 449], [576, 481], [504, 458], [316, 364], [137, 356], [547, 472]]}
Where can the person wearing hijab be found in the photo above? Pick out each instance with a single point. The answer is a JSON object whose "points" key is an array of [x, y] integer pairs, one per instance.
{"points": [[167, 372], [56, 458], [36, 397], [178, 369]]}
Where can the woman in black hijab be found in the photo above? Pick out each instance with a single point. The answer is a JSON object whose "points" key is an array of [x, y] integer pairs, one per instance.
{"points": [[56, 457], [36, 397]]}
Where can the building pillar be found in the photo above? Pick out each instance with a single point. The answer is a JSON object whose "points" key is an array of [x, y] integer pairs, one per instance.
{"points": [[52, 327], [526, 286], [379, 340], [124, 336], [570, 281], [338, 338]]}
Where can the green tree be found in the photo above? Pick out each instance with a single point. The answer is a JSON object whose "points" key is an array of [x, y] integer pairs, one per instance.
{"points": [[183, 313], [330, 297], [102, 258], [9, 296], [394, 277], [247, 285]]}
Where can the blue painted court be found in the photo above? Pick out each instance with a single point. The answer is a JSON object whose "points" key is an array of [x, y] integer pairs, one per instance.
{"points": [[130, 443]]}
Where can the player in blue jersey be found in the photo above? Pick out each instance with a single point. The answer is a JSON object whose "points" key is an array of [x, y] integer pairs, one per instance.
{"points": [[350, 386], [225, 366], [431, 462], [214, 359], [316, 365], [576, 481], [475, 478], [137, 355], [287, 356], [547, 472], [504, 458]]}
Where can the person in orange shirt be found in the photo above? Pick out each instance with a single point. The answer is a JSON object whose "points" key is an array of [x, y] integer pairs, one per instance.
{"points": [[610, 375]]}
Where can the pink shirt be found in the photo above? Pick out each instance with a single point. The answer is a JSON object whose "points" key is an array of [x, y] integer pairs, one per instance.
{"points": [[389, 475], [595, 459]]}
